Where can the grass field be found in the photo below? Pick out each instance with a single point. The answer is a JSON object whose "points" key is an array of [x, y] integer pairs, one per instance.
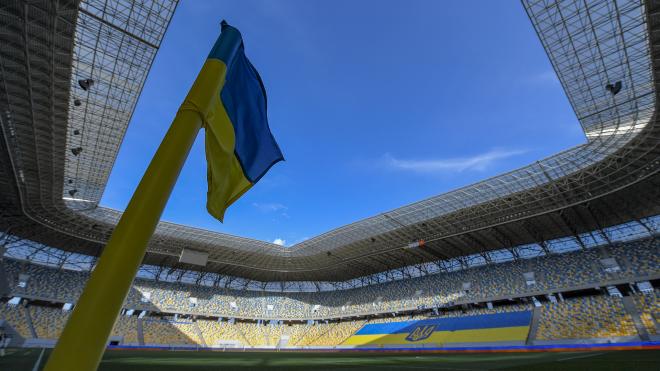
{"points": [[24, 359]]}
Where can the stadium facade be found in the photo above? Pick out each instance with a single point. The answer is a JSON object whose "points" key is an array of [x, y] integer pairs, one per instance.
{"points": [[587, 217]]}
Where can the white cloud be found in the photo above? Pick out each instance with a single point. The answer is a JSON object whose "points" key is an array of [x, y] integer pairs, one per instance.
{"points": [[279, 241], [478, 162], [269, 207]]}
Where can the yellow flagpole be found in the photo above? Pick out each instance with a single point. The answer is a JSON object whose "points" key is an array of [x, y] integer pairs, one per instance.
{"points": [[84, 339]]}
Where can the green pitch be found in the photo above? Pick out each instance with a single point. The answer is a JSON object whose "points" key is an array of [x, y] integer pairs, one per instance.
{"points": [[24, 359]]}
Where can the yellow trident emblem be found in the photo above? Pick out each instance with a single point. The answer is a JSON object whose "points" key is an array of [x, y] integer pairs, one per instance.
{"points": [[420, 333]]}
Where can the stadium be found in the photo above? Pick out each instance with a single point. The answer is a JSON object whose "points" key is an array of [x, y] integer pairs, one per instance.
{"points": [[555, 265]]}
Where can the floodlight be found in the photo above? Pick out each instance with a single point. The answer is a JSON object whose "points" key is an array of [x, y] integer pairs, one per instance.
{"points": [[86, 83]]}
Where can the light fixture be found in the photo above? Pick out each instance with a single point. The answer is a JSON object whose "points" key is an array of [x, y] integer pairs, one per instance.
{"points": [[614, 88], [76, 151], [86, 83]]}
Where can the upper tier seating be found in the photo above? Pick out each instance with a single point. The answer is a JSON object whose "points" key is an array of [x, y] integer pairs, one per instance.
{"points": [[505, 280]]}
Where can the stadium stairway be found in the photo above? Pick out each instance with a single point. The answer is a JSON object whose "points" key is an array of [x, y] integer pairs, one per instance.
{"points": [[4, 281], [140, 331], [534, 326], [245, 339], [28, 319], [16, 338], [283, 342], [198, 331], [263, 334], [323, 334], [629, 306], [308, 328]]}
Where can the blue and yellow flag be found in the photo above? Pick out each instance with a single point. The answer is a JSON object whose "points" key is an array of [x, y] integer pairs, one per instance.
{"points": [[509, 327], [231, 99]]}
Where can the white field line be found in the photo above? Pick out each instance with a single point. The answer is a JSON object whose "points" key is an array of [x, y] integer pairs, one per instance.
{"points": [[36, 365], [582, 356]]}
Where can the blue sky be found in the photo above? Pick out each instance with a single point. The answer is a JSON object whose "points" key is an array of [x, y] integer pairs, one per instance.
{"points": [[375, 104]]}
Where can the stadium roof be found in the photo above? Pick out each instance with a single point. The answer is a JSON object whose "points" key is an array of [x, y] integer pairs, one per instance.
{"points": [[60, 138]]}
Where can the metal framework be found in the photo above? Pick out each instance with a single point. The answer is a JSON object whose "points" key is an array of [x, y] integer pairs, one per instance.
{"points": [[115, 44], [30, 251], [59, 142]]}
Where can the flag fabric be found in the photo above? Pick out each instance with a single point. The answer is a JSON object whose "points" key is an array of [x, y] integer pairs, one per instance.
{"points": [[510, 327], [230, 97]]}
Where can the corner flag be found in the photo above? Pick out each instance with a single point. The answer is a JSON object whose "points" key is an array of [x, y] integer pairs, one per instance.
{"points": [[227, 99], [231, 100]]}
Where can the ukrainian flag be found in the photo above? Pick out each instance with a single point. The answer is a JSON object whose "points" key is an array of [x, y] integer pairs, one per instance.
{"points": [[231, 99], [512, 327]]}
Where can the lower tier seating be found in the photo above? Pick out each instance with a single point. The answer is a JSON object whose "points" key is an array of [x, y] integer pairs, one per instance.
{"points": [[585, 318]]}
